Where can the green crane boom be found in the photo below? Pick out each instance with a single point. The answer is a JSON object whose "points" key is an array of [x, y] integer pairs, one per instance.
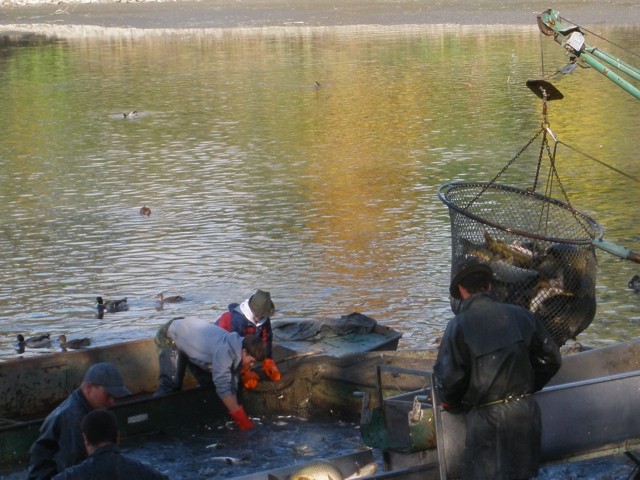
{"points": [[572, 39]]}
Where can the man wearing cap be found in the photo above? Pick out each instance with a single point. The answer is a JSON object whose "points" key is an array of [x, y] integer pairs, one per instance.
{"points": [[492, 357], [106, 462], [211, 354], [60, 444], [253, 317]]}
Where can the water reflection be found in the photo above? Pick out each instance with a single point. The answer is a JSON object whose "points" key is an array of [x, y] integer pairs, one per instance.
{"points": [[258, 178]]}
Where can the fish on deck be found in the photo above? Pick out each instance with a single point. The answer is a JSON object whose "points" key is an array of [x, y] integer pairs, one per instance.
{"points": [[321, 469], [232, 460]]}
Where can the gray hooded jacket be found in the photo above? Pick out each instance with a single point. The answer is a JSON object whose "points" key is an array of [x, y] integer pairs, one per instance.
{"points": [[212, 348]]}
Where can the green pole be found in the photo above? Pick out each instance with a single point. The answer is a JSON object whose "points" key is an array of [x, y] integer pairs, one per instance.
{"points": [[570, 37], [615, 78]]}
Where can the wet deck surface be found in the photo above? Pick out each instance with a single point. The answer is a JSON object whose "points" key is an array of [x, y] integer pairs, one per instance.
{"points": [[199, 452]]}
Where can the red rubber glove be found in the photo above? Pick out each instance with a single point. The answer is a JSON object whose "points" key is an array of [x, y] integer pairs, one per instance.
{"points": [[249, 378], [241, 419], [270, 369]]}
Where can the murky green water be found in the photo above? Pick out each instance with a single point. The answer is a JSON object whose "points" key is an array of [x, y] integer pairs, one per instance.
{"points": [[258, 178]]}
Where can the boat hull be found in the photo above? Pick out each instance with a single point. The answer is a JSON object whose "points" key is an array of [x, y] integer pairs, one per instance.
{"points": [[589, 410], [32, 387]]}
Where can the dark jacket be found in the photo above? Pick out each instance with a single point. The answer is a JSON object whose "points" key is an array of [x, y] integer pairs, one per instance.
{"points": [[107, 463], [60, 443], [492, 357], [234, 320]]}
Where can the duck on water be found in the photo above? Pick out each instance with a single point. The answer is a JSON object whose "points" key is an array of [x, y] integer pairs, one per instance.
{"points": [[110, 306], [172, 299], [39, 341], [74, 344]]}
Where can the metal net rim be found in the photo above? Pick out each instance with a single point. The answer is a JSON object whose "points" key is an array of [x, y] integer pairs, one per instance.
{"points": [[446, 189]]}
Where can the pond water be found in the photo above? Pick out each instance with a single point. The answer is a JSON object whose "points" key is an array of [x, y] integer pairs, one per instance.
{"points": [[259, 178]]}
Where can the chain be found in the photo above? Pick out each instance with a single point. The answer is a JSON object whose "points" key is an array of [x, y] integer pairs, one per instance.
{"points": [[554, 174], [544, 128], [516, 156]]}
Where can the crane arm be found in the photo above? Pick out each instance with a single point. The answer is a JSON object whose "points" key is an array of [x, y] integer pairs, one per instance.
{"points": [[572, 39]]}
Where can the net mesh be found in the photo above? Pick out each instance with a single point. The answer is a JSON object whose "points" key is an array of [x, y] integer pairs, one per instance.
{"points": [[540, 250]]}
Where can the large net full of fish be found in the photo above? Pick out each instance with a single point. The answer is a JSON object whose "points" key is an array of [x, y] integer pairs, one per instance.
{"points": [[540, 250]]}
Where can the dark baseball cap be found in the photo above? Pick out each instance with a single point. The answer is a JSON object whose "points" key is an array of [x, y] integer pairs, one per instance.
{"points": [[106, 375], [464, 268]]}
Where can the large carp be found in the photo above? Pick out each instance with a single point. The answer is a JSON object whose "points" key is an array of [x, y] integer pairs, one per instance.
{"points": [[318, 470], [519, 255], [325, 470]]}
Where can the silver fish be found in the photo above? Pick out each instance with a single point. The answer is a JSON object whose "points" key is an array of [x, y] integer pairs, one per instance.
{"points": [[231, 460], [364, 471], [215, 446], [519, 255], [507, 273], [300, 450], [324, 469], [545, 294]]}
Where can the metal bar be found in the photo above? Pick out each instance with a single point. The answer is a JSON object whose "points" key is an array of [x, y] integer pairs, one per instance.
{"points": [[617, 250], [613, 61], [379, 385], [614, 77], [437, 420], [394, 370]]}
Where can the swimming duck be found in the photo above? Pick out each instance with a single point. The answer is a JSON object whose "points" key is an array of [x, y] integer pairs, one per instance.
{"points": [[39, 341], [146, 211], [634, 283], [132, 114], [111, 306], [74, 344], [176, 298]]}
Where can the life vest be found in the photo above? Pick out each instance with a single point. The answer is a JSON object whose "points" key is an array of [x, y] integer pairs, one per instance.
{"points": [[234, 321]]}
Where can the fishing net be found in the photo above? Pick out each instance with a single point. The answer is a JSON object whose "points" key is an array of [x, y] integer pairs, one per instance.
{"points": [[540, 250]]}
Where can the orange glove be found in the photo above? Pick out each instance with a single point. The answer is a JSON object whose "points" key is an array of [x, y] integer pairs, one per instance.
{"points": [[270, 369], [249, 378], [241, 419]]}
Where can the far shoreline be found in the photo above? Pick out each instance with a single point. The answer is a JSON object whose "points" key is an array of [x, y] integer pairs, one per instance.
{"points": [[257, 14]]}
